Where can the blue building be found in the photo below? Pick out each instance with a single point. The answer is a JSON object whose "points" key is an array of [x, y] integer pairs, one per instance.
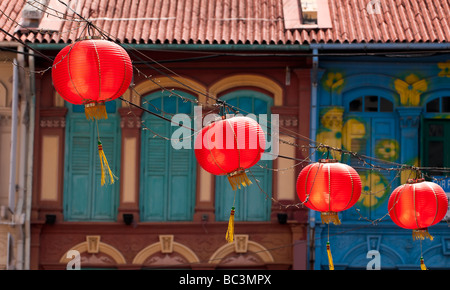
{"points": [[392, 108]]}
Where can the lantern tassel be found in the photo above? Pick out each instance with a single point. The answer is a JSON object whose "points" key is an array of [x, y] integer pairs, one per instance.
{"points": [[330, 258], [104, 165], [238, 178], [330, 217], [422, 264], [421, 234], [95, 111], [230, 232]]}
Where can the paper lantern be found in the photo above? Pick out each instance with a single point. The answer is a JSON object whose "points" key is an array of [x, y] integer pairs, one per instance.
{"points": [[91, 72], [329, 187], [417, 205], [229, 147]]}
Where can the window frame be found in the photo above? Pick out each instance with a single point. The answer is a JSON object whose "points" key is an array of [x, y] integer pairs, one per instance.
{"points": [[76, 113], [146, 213], [222, 211]]}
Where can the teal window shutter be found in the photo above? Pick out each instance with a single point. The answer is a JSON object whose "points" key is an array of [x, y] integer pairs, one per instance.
{"points": [[168, 175], [251, 202], [380, 141], [84, 197]]}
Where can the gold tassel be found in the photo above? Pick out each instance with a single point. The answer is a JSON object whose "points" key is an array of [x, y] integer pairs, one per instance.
{"points": [[95, 111], [238, 178], [104, 165], [421, 234], [330, 258], [230, 232], [422, 264], [330, 217]]}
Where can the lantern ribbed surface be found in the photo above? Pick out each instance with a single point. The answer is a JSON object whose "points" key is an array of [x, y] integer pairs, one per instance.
{"points": [[92, 70], [417, 204], [230, 145], [328, 186]]}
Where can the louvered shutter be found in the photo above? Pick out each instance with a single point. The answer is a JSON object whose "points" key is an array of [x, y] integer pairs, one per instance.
{"points": [[84, 197], [78, 185], [251, 202], [167, 174]]}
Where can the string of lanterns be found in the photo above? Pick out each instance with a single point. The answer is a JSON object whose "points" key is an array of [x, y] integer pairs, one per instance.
{"points": [[93, 71]]}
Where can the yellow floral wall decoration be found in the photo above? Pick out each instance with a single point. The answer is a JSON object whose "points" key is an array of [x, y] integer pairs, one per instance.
{"points": [[375, 189], [445, 69], [330, 130], [387, 149], [334, 81], [354, 128], [410, 89]]}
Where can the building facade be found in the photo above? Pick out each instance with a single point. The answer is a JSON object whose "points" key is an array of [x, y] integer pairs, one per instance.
{"points": [[164, 211], [369, 77], [15, 140], [393, 110]]}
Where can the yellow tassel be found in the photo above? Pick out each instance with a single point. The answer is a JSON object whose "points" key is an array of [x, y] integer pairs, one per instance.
{"points": [[230, 232], [330, 217], [421, 234], [330, 258], [238, 178], [104, 165], [95, 111], [422, 264]]}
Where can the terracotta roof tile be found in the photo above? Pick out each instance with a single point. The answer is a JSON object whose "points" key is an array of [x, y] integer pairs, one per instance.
{"points": [[240, 21]]}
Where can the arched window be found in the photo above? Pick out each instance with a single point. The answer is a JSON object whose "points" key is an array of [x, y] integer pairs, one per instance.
{"points": [[370, 129], [84, 197], [251, 202], [436, 135], [168, 175], [439, 105]]}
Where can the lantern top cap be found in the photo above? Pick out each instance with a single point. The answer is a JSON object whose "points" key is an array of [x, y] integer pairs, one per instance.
{"points": [[328, 161], [418, 180], [88, 37]]}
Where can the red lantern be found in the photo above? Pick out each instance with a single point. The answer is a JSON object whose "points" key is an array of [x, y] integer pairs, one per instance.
{"points": [[229, 147], [418, 205], [91, 72], [329, 187]]}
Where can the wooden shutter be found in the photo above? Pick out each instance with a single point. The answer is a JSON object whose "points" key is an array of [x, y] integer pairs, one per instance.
{"points": [[84, 197], [251, 202], [79, 170], [167, 174]]}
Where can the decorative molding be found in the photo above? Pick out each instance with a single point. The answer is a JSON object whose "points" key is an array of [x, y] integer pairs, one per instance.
{"points": [[241, 244], [166, 242], [223, 252], [167, 83], [130, 118], [53, 123], [131, 123], [93, 243], [409, 117], [288, 121], [53, 117], [157, 248], [103, 248], [5, 120], [373, 243], [249, 80], [446, 245]]}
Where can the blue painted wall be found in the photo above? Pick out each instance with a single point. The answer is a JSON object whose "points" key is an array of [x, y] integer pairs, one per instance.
{"points": [[386, 124]]}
